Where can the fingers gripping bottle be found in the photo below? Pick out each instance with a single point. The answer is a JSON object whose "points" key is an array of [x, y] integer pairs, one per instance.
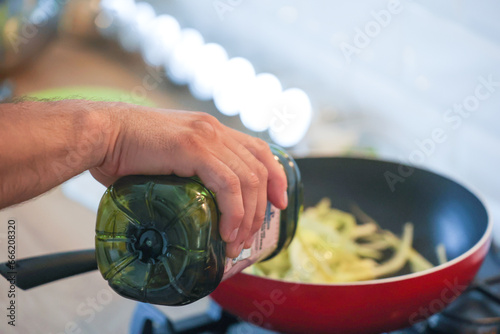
{"points": [[157, 237]]}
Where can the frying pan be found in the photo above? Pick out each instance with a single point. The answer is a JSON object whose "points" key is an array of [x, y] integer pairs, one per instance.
{"points": [[442, 211]]}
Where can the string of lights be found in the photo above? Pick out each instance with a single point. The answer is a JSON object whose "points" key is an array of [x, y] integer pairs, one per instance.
{"points": [[208, 71]]}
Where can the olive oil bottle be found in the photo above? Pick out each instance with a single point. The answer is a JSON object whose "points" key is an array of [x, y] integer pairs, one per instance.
{"points": [[157, 237]]}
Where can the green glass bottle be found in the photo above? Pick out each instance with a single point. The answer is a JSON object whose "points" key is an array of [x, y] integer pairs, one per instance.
{"points": [[158, 241]]}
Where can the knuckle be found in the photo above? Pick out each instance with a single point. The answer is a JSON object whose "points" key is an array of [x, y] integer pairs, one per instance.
{"points": [[253, 181], [204, 129], [258, 219], [213, 184], [233, 164], [231, 183], [262, 171], [260, 145], [218, 181], [205, 125], [245, 229], [237, 215], [205, 117]]}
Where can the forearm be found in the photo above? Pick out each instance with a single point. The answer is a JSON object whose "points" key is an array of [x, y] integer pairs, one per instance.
{"points": [[42, 144]]}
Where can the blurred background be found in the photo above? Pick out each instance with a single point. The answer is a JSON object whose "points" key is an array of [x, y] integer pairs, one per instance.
{"points": [[416, 82]]}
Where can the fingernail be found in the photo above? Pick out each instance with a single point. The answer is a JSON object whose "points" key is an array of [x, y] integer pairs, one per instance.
{"points": [[233, 235], [285, 199], [241, 248]]}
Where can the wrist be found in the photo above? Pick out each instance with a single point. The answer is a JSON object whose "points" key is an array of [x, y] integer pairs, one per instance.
{"points": [[104, 123]]}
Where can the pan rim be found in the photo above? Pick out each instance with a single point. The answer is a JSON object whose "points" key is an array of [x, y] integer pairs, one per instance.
{"points": [[485, 238]]}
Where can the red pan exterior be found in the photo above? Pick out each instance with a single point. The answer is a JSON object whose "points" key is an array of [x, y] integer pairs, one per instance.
{"points": [[365, 307]]}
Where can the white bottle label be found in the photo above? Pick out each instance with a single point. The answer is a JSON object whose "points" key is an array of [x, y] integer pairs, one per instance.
{"points": [[265, 243]]}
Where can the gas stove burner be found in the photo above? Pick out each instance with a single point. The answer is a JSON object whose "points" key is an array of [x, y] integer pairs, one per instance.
{"points": [[476, 311]]}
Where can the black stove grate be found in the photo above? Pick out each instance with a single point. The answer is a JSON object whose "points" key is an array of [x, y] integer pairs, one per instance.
{"points": [[475, 311]]}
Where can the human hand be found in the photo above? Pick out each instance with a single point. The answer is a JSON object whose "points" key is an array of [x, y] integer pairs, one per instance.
{"points": [[238, 168]]}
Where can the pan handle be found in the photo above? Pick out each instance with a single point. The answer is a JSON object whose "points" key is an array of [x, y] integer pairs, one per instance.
{"points": [[32, 272]]}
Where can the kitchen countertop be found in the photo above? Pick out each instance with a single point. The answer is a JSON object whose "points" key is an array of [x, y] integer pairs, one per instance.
{"points": [[54, 223]]}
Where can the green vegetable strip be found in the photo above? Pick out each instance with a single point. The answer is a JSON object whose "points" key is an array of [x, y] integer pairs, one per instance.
{"points": [[330, 247], [400, 257]]}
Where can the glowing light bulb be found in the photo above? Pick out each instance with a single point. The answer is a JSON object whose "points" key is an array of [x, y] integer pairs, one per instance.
{"points": [[158, 43], [206, 70], [231, 83], [132, 30], [256, 110], [232, 87], [291, 117], [180, 66], [104, 23]]}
